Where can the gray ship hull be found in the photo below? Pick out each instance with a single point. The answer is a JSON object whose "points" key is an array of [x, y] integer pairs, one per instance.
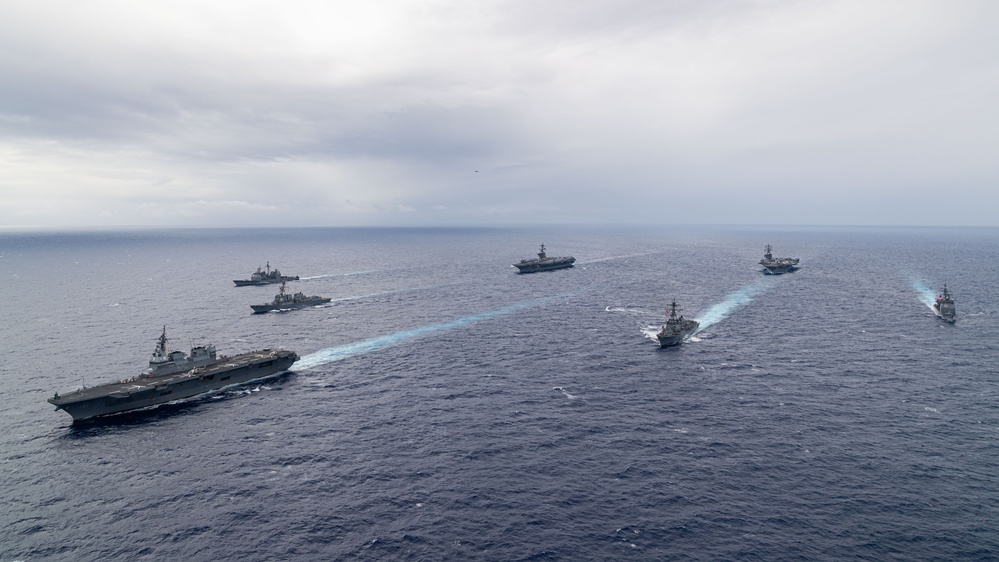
{"points": [[248, 282], [947, 315], [147, 391], [779, 269], [260, 308], [547, 266], [674, 337], [945, 308]]}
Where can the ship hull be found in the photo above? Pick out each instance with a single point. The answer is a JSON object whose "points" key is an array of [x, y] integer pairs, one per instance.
{"points": [[248, 282], [669, 338], [261, 308], [949, 317], [779, 270], [536, 267], [151, 391], [672, 340]]}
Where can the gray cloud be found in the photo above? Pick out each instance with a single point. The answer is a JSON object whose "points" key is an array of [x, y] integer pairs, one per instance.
{"points": [[498, 112]]}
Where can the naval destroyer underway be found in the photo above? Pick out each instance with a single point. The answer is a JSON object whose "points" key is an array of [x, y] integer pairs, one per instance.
{"points": [[544, 263], [776, 266], [676, 328], [172, 376], [944, 307], [261, 277], [284, 301]]}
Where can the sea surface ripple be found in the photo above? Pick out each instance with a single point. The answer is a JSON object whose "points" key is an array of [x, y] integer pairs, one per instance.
{"points": [[446, 408]]}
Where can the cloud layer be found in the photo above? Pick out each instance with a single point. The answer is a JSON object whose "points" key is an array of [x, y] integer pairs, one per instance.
{"points": [[498, 112]]}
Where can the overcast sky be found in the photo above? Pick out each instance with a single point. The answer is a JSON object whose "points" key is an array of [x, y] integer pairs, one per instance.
{"points": [[440, 112]]}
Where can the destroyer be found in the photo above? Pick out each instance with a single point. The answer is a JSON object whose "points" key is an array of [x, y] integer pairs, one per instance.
{"points": [[172, 376], [676, 328], [544, 263], [944, 307], [262, 277], [776, 266], [283, 301]]}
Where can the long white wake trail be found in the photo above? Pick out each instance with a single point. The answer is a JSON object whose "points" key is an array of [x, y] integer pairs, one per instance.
{"points": [[733, 301], [331, 354]]}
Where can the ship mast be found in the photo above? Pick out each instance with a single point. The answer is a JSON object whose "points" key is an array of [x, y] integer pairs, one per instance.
{"points": [[672, 318], [160, 354]]}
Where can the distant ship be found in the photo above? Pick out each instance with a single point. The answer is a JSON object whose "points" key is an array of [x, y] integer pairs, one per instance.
{"points": [[944, 307], [173, 376], [261, 277], [776, 266], [676, 328], [283, 301], [544, 263]]}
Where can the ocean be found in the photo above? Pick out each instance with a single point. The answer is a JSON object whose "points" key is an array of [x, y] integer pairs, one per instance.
{"points": [[446, 408]]}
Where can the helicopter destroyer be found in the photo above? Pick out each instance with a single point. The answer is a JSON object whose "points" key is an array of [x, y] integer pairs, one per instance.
{"points": [[676, 328], [284, 301], [262, 277], [944, 307], [173, 376], [777, 266], [544, 263]]}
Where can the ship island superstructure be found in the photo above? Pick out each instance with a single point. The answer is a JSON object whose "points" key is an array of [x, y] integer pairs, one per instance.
{"points": [[544, 262], [676, 328], [173, 376], [777, 266], [264, 277], [284, 301], [944, 306]]}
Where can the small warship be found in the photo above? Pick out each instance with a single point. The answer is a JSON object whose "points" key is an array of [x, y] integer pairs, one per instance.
{"points": [[944, 307], [284, 301], [544, 263], [262, 277], [776, 266], [173, 376], [676, 328]]}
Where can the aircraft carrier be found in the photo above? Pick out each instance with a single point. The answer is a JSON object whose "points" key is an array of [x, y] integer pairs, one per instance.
{"points": [[777, 266], [172, 376], [544, 263]]}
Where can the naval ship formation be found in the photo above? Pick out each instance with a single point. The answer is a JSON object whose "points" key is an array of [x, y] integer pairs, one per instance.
{"points": [[676, 328], [172, 376], [262, 277], [543, 263], [777, 266], [943, 306], [284, 301]]}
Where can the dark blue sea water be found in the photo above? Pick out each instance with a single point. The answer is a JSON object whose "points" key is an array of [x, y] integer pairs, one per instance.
{"points": [[446, 408]]}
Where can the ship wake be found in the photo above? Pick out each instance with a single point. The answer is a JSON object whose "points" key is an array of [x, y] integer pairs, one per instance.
{"points": [[624, 257], [347, 274], [925, 294], [650, 332], [331, 354], [379, 294], [732, 302]]}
